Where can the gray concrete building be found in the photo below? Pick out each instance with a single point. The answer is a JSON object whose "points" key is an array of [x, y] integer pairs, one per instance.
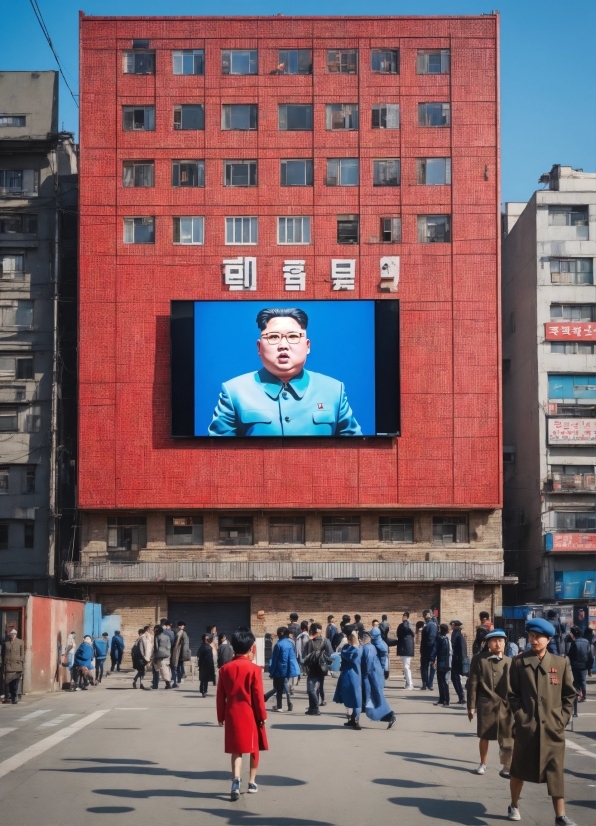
{"points": [[549, 389], [38, 204]]}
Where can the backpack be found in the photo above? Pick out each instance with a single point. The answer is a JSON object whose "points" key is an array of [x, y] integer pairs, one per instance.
{"points": [[511, 649], [318, 661], [135, 653]]}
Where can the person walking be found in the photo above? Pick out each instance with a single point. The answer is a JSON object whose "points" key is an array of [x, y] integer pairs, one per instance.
{"points": [[205, 664], [100, 650], [374, 654], [428, 652], [180, 654], [69, 652], [225, 652], [348, 690], [556, 644], [541, 698], [581, 661], [460, 664], [162, 653], [317, 661], [443, 665], [300, 644], [12, 660], [331, 629], [241, 710], [284, 666], [83, 659], [405, 647], [117, 651], [384, 627], [139, 663], [358, 626], [488, 698], [482, 630]]}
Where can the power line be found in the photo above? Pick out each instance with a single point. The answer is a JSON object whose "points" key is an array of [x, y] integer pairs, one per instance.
{"points": [[44, 28]]}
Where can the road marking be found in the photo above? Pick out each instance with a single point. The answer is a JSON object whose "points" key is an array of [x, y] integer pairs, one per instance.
{"points": [[136, 708], [33, 714], [38, 748], [56, 721], [579, 748], [4, 731]]}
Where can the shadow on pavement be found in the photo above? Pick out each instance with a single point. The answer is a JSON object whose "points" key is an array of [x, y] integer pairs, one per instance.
{"points": [[581, 775], [403, 784], [146, 794], [463, 812], [427, 762], [588, 804], [304, 727], [251, 819], [412, 755], [208, 725], [116, 760], [110, 810]]}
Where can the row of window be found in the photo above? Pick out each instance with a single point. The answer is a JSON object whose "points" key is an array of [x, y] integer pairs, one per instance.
{"points": [[16, 314], [130, 532], [299, 172], [20, 420], [572, 348], [573, 312], [575, 520], [141, 61], [571, 271], [290, 229], [571, 386], [291, 117], [16, 367], [17, 534], [17, 479]]}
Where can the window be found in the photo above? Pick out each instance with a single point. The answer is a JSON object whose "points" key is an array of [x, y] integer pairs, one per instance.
{"points": [[138, 118], [339, 529], [571, 387], [286, 530], [239, 116], [139, 230], [295, 117], [33, 419], [509, 454], [434, 229], [385, 116], [184, 530], [138, 173], [434, 171], [235, 530], [391, 230], [189, 230], [23, 369], [239, 62], [294, 62], [138, 63], [572, 347], [347, 229], [570, 470], [575, 520], [386, 172], [127, 533], [3, 536], [9, 419], [573, 312], [342, 61], [240, 173], [28, 534], [17, 314], [342, 116], [4, 478], [434, 62], [140, 43], [571, 271], [12, 265], [568, 216], [12, 120], [188, 173], [342, 172], [450, 529], [19, 182], [241, 231], [29, 479], [297, 173], [18, 222], [396, 529], [293, 230], [189, 116], [434, 114], [385, 61], [188, 62]]}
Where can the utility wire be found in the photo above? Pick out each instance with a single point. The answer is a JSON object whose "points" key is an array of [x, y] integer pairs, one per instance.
{"points": [[44, 28]]}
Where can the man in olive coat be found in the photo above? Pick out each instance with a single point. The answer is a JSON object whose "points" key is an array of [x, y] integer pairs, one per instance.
{"points": [[13, 658], [541, 697], [488, 689]]}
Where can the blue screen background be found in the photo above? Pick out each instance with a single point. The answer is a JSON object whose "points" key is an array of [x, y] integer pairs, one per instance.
{"points": [[342, 335]]}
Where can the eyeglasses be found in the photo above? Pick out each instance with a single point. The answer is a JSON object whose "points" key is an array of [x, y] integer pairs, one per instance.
{"points": [[275, 338]]}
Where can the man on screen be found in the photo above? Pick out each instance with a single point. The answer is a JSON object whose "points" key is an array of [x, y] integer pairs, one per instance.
{"points": [[282, 398]]}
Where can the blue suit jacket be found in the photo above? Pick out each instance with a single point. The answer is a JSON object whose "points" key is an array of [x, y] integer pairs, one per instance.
{"points": [[260, 404]]}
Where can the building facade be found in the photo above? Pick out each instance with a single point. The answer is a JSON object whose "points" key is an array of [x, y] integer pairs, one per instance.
{"points": [[549, 389], [38, 201], [303, 158]]}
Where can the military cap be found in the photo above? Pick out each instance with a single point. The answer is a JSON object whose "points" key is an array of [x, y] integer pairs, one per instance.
{"points": [[455, 622], [540, 626], [496, 635]]}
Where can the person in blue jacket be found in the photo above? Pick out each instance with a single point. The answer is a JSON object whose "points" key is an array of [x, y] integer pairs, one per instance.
{"points": [[83, 659], [100, 649], [283, 666], [283, 398], [373, 666], [349, 686], [116, 651]]}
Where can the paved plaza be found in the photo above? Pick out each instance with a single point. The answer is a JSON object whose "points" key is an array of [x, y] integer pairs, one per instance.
{"points": [[156, 757]]}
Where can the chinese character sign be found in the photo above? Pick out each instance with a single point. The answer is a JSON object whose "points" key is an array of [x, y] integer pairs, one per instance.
{"points": [[571, 331], [343, 274], [240, 274], [572, 431]]}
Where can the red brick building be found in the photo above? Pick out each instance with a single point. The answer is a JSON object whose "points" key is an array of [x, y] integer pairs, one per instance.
{"points": [[392, 127]]}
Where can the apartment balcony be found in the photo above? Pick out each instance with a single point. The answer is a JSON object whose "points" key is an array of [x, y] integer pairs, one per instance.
{"points": [[570, 483]]}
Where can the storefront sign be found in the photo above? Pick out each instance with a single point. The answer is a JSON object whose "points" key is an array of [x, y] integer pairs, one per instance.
{"points": [[570, 542], [572, 431], [575, 584], [570, 331]]}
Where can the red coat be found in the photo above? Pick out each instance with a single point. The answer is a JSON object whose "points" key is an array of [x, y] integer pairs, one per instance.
{"points": [[241, 706]]}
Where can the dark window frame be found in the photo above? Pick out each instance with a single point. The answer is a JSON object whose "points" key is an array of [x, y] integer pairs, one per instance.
{"points": [[340, 529], [236, 524]]}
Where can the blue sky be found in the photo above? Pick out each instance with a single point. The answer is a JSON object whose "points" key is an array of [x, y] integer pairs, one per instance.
{"points": [[548, 65]]}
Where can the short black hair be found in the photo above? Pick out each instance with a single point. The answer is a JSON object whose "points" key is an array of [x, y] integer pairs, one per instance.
{"points": [[576, 631], [282, 631], [484, 615], [427, 612], [444, 629], [147, 627], [406, 614], [157, 629], [304, 625], [181, 622], [265, 316], [314, 628], [294, 617], [330, 617], [139, 632], [551, 614], [206, 638], [243, 640], [357, 617], [383, 617]]}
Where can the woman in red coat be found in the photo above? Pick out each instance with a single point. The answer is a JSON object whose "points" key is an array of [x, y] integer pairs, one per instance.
{"points": [[241, 707]]}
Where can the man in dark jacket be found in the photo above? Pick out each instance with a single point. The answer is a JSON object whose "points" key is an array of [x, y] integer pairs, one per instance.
{"points": [[384, 628], [225, 652], [460, 664], [100, 649], [405, 647], [331, 629], [428, 650], [443, 665], [13, 661], [162, 653], [82, 664], [358, 626], [556, 644], [317, 655], [482, 630], [180, 654], [117, 651], [206, 664], [581, 661]]}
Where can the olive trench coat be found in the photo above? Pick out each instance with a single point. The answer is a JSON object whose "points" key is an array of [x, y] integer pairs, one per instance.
{"points": [[488, 689], [541, 698], [13, 659]]}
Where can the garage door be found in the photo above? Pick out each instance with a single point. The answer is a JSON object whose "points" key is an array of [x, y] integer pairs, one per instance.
{"points": [[227, 616]]}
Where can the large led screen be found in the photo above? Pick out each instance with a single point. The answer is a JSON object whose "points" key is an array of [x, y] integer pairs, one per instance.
{"points": [[285, 368]]}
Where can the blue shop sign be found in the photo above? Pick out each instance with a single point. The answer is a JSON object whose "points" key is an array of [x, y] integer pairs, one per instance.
{"points": [[575, 584]]}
